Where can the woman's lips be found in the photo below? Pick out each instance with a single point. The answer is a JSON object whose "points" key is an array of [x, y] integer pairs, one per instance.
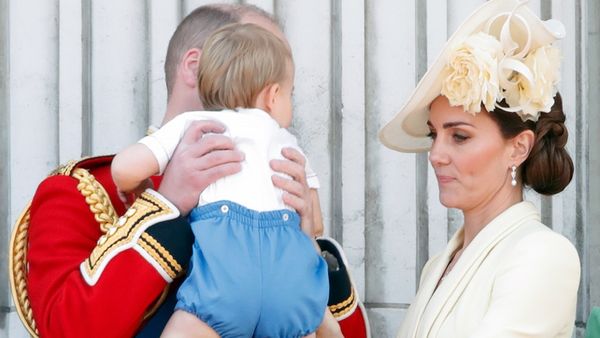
{"points": [[444, 179]]}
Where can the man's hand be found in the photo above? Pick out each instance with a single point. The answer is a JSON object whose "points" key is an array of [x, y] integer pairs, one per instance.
{"points": [[297, 193], [198, 161]]}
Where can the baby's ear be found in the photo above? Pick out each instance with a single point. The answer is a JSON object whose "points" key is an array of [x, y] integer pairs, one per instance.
{"points": [[267, 97]]}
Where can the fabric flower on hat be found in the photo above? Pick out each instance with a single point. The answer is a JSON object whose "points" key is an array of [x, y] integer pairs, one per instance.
{"points": [[471, 74], [536, 94]]}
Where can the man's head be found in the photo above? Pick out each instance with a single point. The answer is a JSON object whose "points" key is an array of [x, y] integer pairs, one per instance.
{"points": [[203, 21], [246, 66]]}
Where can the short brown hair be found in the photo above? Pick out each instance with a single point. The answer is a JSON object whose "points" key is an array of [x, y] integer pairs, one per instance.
{"points": [[197, 26], [238, 62]]}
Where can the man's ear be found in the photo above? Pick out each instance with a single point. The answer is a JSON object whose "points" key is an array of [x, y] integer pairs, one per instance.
{"points": [[189, 65], [522, 145]]}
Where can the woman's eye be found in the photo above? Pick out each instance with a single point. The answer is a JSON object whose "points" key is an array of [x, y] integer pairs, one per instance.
{"points": [[460, 138]]}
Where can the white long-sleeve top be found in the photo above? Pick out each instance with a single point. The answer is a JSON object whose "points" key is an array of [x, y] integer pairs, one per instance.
{"points": [[257, 135]]}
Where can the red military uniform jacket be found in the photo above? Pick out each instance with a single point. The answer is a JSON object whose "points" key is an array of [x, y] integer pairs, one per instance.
{"points": [[90, 273], [98, 269]]}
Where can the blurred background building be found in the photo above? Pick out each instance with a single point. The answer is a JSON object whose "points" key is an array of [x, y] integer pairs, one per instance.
{"points": [[82, 77]]}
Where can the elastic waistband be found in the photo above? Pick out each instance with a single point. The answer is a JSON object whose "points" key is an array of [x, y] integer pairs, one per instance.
{"points": [[261, 219]]}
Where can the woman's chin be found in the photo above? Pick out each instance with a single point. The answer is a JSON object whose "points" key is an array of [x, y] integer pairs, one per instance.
{"points": [[448, 200]]}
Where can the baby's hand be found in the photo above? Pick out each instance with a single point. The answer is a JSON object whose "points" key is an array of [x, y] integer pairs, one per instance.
{"points": [[129, 197]]}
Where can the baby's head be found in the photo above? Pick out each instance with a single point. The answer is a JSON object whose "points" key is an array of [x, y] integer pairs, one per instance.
{"points": [[246, 66]]}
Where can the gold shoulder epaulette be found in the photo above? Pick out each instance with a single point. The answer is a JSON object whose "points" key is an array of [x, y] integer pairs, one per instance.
{"points": [[67, 168]]}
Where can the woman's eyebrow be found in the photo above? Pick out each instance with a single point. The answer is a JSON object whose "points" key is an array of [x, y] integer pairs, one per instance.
{"points": [[455, 124], [451, 124]]}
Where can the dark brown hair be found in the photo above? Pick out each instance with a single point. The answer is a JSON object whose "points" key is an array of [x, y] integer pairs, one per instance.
{"points": [[548, 168]]}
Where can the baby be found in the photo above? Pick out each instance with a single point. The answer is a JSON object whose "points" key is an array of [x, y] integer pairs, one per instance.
{"points": [[253, 272]]}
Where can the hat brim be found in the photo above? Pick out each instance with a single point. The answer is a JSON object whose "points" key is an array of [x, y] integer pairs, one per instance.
{"points": [[407, 131]]}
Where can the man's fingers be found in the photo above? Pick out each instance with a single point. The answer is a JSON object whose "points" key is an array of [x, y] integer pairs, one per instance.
{"points": [[197, 129], [290, 186], [209, 126], [295, 202], [219, 157], [202, 157], [293, 169], [294, 155], [222, 170], [208, 144]]}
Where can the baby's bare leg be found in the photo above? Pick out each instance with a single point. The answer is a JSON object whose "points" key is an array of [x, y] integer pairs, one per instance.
{"points": [[185, 325], [329, 327]]}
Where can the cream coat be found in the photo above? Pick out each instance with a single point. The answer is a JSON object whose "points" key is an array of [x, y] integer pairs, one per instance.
{"points": [[517, 278]]}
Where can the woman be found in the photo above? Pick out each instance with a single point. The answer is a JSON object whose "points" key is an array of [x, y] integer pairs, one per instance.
{"points": [[489, 113]]}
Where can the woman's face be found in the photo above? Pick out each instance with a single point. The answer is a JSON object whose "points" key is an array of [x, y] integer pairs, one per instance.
{"points": [[470, 158]]}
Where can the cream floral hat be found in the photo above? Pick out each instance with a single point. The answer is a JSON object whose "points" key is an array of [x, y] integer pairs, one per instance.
{"points": [[503, 51]]}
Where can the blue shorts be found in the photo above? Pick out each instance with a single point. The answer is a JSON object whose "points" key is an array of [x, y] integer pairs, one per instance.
{"points": [[253, 274]]}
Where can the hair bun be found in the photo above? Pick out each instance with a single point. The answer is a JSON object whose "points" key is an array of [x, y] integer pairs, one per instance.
{"points": [[552, 130], [549, 168], [557, 129]]}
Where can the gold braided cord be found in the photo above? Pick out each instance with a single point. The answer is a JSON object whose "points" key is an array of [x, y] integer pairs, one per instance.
{"points": [[97, 198], [65, 169], [348, 301], [164, 253], [156, 256], [104, 212], [17, 262], [342, 313]]}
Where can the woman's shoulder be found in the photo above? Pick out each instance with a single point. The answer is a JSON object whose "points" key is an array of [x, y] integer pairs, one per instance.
{"points": [[542, 247], [537, 235]]}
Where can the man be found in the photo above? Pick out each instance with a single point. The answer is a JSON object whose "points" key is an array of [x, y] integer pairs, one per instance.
{"points": [[93, 275]]}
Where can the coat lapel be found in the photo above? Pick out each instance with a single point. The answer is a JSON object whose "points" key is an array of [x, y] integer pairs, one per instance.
{"points": [[428, 285], [443, 299]]}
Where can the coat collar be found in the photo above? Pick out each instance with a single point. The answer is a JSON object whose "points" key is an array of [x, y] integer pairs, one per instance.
{"points": [[435, 303]]}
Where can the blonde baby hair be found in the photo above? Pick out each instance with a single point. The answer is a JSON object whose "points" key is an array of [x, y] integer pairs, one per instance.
{"points": [[238, 61]]}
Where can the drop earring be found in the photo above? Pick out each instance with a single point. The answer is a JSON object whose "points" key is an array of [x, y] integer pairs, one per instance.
{"points": [[513, 174]]}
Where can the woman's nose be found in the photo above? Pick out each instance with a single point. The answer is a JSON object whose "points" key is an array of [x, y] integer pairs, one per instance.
{"points": [[437, 155]]}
